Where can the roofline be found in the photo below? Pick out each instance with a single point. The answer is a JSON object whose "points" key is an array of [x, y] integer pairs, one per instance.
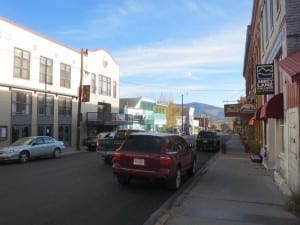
{"points": [[51, 39]]}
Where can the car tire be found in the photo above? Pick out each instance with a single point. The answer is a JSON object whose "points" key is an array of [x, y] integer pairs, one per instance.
{"points": [[175, 182], [24, 157], [193, 169], [122, 180], [56, 153]]}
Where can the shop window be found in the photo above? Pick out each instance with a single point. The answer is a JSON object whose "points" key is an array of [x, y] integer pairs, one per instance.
{"points": [[3, 133]]}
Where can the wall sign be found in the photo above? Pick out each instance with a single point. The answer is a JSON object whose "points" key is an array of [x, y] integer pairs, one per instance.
{"points": [[265, 79]]}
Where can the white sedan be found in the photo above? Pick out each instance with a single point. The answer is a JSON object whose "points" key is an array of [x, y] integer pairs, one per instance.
{"points": [[27, 148]]}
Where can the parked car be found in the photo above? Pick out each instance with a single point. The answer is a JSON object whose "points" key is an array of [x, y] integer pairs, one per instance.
{"points": [[27, 148], [155, 157], [106, 147], [207, 141], [91, 142]]}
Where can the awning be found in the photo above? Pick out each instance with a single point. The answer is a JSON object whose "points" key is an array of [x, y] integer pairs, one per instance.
{"points": [[256, 117], [273, 108], [291, 65]]}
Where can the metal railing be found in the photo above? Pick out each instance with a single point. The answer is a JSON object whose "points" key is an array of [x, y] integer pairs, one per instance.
{"points": [[106, 118]]}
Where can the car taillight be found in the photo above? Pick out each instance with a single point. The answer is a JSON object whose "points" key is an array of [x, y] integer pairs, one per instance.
{"points": [[117, 156], [165, 160]]}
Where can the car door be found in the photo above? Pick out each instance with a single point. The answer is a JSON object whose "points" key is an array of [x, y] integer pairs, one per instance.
{"points": [[37, 148], [49, 146], [183, 152]]}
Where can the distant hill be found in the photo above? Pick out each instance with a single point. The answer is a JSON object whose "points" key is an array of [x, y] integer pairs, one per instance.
{"points": [[212, 112]]}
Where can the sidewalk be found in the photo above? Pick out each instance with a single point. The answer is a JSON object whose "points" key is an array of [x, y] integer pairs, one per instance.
{"points": [[233, 191]]}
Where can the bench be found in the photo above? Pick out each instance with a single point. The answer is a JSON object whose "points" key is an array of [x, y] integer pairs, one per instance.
{"points": [[258, 158]]}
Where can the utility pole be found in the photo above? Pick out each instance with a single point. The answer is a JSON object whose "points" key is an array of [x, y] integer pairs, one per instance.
{"points": [[79, 117], [182, 113]]}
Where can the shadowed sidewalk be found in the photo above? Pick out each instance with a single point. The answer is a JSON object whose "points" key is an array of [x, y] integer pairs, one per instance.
{"points": [[233, 191]]}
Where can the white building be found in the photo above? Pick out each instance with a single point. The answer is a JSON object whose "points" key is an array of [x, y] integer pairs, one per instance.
{"points": [[31, 106]]}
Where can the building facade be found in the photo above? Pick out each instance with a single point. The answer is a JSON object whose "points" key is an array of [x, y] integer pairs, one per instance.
{"points": [[40, 83], [272, 43], [147, 113]]}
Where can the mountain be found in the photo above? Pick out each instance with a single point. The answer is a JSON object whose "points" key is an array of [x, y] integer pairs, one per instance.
{"points": [[212, 112]]}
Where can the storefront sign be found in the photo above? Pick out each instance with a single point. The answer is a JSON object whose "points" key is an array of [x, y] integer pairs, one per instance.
{"points": [[264, 79], [231, 110], [247, 108]]}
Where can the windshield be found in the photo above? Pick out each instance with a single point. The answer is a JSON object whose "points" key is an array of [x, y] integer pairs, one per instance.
{"points": [[22, 141]]}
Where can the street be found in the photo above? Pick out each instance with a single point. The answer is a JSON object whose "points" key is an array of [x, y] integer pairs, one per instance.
{"points": [[76, 189]]}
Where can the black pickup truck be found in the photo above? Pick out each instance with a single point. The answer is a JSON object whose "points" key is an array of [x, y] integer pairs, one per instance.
{"points": [[107, 147], [207, 140]]}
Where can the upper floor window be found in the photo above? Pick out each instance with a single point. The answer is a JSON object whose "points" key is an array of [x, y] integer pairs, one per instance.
{"points": [[65, 107], [21, 103], [21, 63], [65, 75], [45, 105], [104, 87], [46, 70], [93, 83]]}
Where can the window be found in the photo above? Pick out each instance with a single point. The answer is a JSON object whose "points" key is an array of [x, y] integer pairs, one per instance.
{"points": [[20, 131], [93, 83], [3, 133], [104, 86], [114, 89], [45, 106], [65, 107], [21, 103], [48, 140], [46, 70], [21, 63], [65, 75]]}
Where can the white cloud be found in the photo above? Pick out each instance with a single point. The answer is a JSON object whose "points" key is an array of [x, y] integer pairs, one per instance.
{"points": [[207, 54]]}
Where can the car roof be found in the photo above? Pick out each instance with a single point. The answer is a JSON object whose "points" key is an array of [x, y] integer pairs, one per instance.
{"points": [[154, 134], [36, 136]]}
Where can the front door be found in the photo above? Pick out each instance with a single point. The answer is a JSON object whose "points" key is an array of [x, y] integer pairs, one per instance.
{"points": [[45, 130]]}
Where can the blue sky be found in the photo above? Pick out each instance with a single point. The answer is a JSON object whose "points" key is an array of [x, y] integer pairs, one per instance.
{"points": [[165, 48]]}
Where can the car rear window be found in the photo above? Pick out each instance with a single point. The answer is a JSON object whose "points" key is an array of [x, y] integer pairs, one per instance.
{"points": [[205, 135], [139, 143]]}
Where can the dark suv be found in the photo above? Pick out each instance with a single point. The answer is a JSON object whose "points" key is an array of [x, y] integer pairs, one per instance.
{"points": [[107, 147], [207, 140], [155, 157]]}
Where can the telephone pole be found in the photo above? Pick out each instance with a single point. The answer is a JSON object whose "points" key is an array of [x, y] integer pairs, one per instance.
{"points": [[79, 117]]}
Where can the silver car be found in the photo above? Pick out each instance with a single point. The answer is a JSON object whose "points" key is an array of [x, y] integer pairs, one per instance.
{"points": [[27, 148]]}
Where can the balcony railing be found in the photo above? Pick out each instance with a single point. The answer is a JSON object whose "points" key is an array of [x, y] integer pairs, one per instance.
{"points": [[105, 118]]}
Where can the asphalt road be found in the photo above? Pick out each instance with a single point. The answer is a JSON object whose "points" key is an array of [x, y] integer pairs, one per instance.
{"points": [[76, 189]]}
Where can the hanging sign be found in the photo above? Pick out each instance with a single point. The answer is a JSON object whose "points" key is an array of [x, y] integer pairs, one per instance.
{"points": [[264, 79]]}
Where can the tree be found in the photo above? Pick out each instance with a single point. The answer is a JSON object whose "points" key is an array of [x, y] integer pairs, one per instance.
{"points": [[172, 113]]}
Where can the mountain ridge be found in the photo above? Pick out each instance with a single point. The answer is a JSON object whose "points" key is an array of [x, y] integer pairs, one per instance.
{"points": [[212, 112]]}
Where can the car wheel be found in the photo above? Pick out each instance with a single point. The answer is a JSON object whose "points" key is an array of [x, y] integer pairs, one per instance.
{"points": [[193, 169], [122, 180], [175, 182], [56, 153], [24, 157]]}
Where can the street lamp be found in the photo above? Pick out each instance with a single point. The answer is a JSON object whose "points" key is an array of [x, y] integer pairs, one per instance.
{"points": [[182, 127]]}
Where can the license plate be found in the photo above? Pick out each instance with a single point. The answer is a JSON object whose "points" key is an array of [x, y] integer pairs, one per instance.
{"points": [[204, 141], [138, 162]]}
